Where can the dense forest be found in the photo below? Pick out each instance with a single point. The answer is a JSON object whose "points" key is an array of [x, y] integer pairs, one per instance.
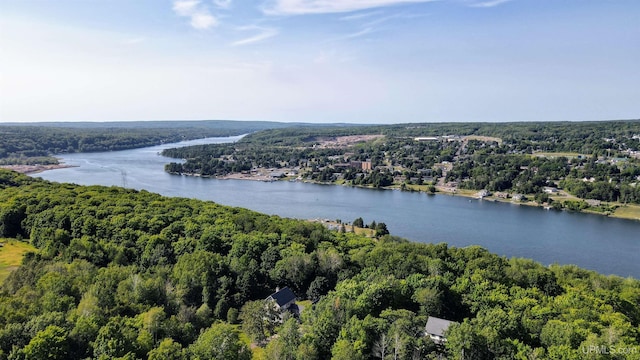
{"points": [[28, 144], [583, 137], [125, 274]]}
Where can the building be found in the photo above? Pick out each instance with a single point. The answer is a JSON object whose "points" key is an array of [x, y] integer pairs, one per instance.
{"points": [[283, 298], [501, 195], [366, 165], [426, 138], [592, 202], [436, 329], [362, 165], [276, 174]]}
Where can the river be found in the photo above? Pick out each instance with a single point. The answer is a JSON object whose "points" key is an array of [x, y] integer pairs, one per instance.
{"points": [[607, 245]]}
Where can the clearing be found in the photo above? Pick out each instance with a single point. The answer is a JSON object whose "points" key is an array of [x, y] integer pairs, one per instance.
{"points": [[11, 253], [345, 141], [628, 212]]}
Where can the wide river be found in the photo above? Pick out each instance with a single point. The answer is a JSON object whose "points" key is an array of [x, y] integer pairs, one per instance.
{"points": [[607, 245]]}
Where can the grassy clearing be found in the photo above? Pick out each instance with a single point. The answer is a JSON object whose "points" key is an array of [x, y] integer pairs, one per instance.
{"points": [[11, 254], [628, 212], [484, 138], [466, 192], [257, 353]]}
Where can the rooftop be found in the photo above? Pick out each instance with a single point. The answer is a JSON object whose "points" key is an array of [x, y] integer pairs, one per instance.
{"points": [[437, 326], [283, 296]]}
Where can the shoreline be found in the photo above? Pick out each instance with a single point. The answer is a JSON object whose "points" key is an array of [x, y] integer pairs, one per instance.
{"points": [[471, 194], [35, 169]]}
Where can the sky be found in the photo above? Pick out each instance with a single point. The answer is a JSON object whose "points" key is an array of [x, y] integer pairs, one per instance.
{"points": [[356, 61]]}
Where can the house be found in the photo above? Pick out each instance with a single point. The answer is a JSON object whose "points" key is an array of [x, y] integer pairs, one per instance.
{"points": [[592, 202], [276, 174], [436, 329], [550, 190], [283, 298], [501, 195]]}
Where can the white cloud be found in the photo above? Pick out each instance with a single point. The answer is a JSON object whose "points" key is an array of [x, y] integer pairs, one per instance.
{"points": [[300, 7], [203, 20], [362, 32], [224, 4], [360, 15], [263, 34], [488, 4], [200, 16], [185, 7]]}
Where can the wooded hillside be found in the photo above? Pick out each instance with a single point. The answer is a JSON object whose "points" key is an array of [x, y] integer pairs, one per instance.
{"points": [[133, 275]]}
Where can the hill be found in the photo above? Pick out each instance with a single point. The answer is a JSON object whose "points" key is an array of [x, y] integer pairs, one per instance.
{"points": [[129, 274]]}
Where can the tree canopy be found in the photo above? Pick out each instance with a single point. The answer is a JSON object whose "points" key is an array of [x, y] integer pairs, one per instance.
{"points": [[129, 274]]}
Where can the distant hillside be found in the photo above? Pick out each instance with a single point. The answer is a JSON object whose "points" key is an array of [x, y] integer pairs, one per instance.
{"points": [[177, 124], [35, 143]]}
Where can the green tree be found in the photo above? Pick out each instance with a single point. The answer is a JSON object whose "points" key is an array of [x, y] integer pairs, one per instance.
{"points": [[167, 350], [50, 343], [381, 229], [258, 319], [344, 350], [285, 346], [117, 338], [220, 341]]}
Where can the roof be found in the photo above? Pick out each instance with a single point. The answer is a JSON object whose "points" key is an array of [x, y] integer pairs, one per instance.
{"points": [[283, 297], [437, 326]]}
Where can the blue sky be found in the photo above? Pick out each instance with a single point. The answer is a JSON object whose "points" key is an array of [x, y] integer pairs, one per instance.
{"points": [[362, 61]]}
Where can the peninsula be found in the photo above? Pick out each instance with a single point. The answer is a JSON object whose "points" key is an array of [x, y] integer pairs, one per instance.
{"points": [[587, 166]]}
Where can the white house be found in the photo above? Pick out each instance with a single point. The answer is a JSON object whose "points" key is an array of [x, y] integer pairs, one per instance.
{"points": [[283, 298]]}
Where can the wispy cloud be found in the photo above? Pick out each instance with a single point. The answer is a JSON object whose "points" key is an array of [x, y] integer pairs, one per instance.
{"points": [[185, 7], [199, 15], [488, 4], [223, 4], [300, 7], [360, 15], [360, 33], [134, 40], [262, 34]]}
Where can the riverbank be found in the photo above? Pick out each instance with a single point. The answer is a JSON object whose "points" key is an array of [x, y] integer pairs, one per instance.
{"points": [[622, 211], [34, 169]]}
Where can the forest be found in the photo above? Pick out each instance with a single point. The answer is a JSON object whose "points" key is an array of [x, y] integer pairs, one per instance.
{"points": [[28, 144], [126, 274]]}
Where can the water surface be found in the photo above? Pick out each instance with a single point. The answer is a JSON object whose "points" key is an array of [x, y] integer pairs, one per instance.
{"points": [[607, 245]]}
